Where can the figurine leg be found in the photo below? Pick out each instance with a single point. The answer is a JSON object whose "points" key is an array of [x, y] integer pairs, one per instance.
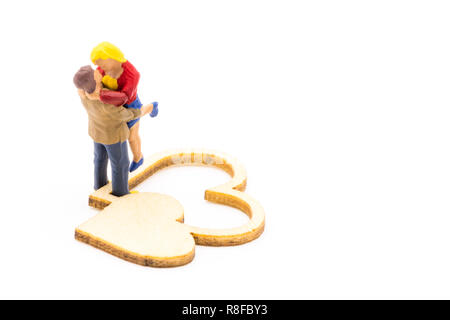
{"points": [[100, 165], [118, 154], [135, 142]]}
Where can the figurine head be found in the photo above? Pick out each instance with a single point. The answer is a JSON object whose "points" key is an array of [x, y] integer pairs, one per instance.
{"points": [[84, 79], [107, 56], [88, 80]]}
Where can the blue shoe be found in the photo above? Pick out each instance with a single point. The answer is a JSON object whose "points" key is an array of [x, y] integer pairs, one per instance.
{"points": [[154, 112], [135, 165]]}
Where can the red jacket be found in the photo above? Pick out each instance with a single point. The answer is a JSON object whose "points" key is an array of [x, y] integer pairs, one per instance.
{"points": [[127, 86]]}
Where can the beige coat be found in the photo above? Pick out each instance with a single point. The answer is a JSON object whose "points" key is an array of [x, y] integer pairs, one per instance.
{"points": [[108, 123]]}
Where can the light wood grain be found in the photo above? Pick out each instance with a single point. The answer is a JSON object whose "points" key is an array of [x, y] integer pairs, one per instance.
{"points": [[146, 228]]}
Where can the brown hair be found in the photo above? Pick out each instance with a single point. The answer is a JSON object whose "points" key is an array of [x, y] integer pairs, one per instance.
{"points": [[84, 79]]}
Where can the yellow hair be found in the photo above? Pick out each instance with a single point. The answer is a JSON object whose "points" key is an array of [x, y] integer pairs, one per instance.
{"points": [[106, 50], [110, 82]]}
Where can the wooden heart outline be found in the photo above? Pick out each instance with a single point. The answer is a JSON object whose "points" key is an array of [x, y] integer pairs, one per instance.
{"points": [[230, 194]]}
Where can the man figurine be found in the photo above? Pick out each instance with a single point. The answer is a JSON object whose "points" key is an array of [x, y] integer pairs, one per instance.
{"points": [[108, 128]]}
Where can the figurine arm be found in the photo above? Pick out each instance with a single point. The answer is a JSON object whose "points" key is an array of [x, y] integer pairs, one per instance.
{"points": [[116, 98], [126, 114]]}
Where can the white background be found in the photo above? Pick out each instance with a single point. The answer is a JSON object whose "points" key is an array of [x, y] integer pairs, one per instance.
{"points": [[338, 109]]}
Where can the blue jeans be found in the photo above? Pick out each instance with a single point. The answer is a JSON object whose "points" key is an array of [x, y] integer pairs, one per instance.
{"points": [[118, 153]]}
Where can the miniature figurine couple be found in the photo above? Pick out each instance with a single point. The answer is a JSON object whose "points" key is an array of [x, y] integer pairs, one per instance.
{"points": [[109, 95]]}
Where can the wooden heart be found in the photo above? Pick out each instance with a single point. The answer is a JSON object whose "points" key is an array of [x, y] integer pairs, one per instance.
{"points": [[147, 229]]}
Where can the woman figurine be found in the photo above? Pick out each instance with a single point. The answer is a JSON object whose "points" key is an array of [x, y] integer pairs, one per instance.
{"points": [[120, 80]]}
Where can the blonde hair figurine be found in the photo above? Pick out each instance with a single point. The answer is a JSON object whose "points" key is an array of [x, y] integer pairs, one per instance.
{"points": [[120, 80]]}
